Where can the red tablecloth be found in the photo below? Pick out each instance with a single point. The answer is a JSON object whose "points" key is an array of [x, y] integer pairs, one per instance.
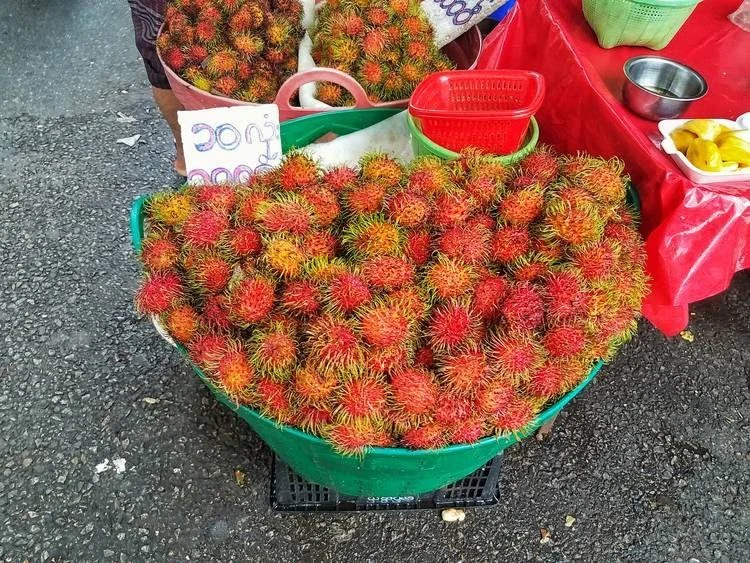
{"points": [[697, 236]]}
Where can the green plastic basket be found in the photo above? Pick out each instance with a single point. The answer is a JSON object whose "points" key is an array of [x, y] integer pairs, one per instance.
{"points": [[651, 23], [422, 145], [380, 472]]}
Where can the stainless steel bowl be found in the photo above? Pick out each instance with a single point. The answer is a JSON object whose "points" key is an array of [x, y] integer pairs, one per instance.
{"points": [[657, 88]]}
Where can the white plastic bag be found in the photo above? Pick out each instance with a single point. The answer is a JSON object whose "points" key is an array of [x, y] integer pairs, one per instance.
{"points": [[741, 16]]}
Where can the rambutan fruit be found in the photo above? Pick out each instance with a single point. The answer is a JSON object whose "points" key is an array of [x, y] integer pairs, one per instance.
{"points": [[196, 77], [466, 244], [244, 71], [427, 436], [205, 228], [339, 178], [216, 312], [530, 267], [384, 326], [464, 371], [312, 419], [321, 270], [541, 165], [521, 207], [447, 278], [379, 167], [233, 370], [519, 414], [415, 25], [296, 171], [322, 244], [489, 293], [333, 343], [418, 247], [159, 252], [596, 261], [211, 14], [355, 437], [346, 23], [182, 323], [394, 87], [574, 225], [324, 204], [206, 34], [483, 188], [415, 391], [523, 307], [347, 292], [365, 198], [547, 381], [452, 325], [284, 256], [206, 349], [170, 209], [248, 203], [220, 197], [210, 273], [287, 213], [175, 59], [274, 399], [245, 241], [314, 386], [495, 396], [564, 340], [413, 72], [604, 180], [373, 43], [372, 236], [158, 292], [424, 357], [279, 30], [226, 85], [301, 298], [452, 409], [331, 94], [428, 175], [377, 16], [250, 16], [371, 74], [515, 355], [387, 272], [408, 209], [222, 63], [410, 300], [468, 431], [343, 52], [363, 397], [251, 301], [400, 7], [566, 296], [550, 251], [452, 209], [275, 351], [249, 45], [383, 361]]}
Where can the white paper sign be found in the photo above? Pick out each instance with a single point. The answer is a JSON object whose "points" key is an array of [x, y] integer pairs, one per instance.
{"points": [[230, 144]]}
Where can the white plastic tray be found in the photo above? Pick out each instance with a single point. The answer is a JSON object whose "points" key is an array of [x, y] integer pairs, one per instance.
{"points": [[696, 174]]}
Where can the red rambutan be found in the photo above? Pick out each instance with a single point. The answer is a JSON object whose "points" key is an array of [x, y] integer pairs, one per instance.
{"points": [[418, 247], [424, 357], [275, 351], [384, 326], [452, 210], [541, 165], [428, 176], [509, 243], [574, 225], [333, 343], [427, 436], [387, 272], [175, 59], [361, 398], [521, 207], [285, 214], [226, 85], [354, 437], [566, 296], [339, 178], [467, 244], [451, 409], [523, 307], [565, 340], [210, 273], [313, 385], [206, 349], [347, 292], [158, 292], [320, 244], [301, 298], [205, 228], [596, 261], [448, 278], [182, 323], [410, 300], [377, 16], [249, 16], [451, 326], [312, 419], [468, 431], [464, 372], [233, 371], [274, 399], [251, 301], [495, 396], [297, 171], [159, 252], [519, 414], [488, 296], [547, 381], [408, 209], [366, 197], [216, 312], [245, 241], [515, 355], [415, 391], [324, 203], [371, 73]]}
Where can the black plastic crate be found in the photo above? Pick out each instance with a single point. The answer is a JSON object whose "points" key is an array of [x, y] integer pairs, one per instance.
{"points": [[292, 493]]}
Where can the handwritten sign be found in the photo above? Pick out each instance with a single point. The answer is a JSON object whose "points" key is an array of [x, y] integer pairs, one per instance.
{"points": [[230, 144]]}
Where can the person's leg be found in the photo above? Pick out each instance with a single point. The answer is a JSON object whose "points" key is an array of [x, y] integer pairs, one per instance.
{"points": [[169, 105]]}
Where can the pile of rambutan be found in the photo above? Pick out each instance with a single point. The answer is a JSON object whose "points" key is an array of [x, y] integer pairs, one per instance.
{"points": [[388, 46], [240, 49], [388, 305]]}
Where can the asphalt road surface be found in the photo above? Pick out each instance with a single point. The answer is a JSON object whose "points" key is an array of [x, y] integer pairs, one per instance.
{"points": [[110, 450]]}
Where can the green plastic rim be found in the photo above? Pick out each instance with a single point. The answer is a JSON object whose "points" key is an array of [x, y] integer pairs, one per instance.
{"points": [[424, 146]]}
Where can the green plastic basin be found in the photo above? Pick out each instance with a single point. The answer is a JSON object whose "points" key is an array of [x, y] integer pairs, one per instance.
{"points": [[380, 472]]}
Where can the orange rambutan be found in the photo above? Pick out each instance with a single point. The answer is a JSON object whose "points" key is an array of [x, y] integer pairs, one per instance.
{"points": [[284, 256], [296, 171], [383, 361], [275, 351], [321, 244], [379, 167], [182, 323], [387, 272], [301, 298], [515, 355], [314, 386], [210, 273], [464, 371], [495, 396], [372, 236], [333, 343], [324, 204], [447, 278], [408, 209], [159, 252], [427, 436], [521, 207], [384, 326], [251, 301], [363, 397], [365, 198], [233, 370], [170, 209]]}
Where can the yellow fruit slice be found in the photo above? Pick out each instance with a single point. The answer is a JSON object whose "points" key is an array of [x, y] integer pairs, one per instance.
{"points": [[706, 129], [682, 138], [729, 166], [734, 149], [704, 155], [743, 134]]}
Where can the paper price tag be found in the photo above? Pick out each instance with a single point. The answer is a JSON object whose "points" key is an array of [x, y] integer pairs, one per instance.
{"points": [[230, 144]]}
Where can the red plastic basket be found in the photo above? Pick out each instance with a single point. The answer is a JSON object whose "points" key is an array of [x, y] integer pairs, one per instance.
{"points": [[486, 109]]}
